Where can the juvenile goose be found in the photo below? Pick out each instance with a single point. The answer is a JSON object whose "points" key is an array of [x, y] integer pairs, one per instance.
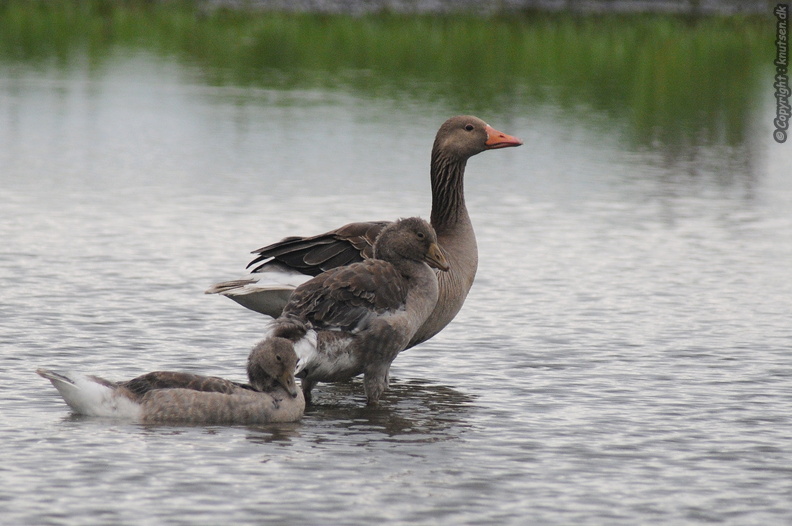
{"points": [[172, 397], [285, 264], [355, 319]]}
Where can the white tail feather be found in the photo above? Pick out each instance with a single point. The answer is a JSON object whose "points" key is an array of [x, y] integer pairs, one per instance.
{"points": [[264, 292], [87, 396]]}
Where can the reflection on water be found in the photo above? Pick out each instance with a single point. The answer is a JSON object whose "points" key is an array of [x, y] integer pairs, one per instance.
{"points": [[413, 411], [622, 358], [275, 433], [671, 80]]}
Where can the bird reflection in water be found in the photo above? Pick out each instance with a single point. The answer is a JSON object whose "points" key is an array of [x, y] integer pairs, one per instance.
{"points": [[413, 411]]}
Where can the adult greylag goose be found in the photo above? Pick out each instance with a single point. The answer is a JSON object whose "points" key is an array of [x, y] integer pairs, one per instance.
{"points": [[173, 397], [280, 267], [357, 318]]}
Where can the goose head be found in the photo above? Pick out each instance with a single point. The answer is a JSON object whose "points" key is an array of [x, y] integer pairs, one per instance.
{"points": [[464, 136], [413, 239]]}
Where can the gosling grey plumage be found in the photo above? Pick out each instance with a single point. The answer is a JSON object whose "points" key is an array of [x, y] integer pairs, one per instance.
{"points": [[174, 397], [357, 318]]}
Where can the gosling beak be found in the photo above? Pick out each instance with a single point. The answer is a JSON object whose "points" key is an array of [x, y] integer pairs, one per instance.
{"points": [[435, 258], [496, 139], [288, 382]]}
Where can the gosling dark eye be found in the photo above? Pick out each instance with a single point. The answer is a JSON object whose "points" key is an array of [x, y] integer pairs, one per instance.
{"points": [[421, 235], [469, 127], [278, 357]]}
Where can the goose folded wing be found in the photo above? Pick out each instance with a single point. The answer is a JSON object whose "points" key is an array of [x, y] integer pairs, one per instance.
{"points": [[313, 255], [346, 298], [175, 380]]}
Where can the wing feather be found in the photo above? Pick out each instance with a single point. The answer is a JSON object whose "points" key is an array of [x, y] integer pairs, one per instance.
{"points": [[315, 254], [347, 297], [172, 380]]}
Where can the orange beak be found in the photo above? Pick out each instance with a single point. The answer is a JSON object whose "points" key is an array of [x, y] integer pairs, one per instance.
{"points": [[496, 139]]}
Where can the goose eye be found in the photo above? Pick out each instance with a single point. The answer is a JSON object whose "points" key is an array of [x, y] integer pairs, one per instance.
{"points": [[421, 235], [278, 357], [469, 127]]}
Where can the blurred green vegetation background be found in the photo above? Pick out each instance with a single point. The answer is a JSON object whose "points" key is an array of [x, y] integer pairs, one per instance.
{"points": [[672, 79]]}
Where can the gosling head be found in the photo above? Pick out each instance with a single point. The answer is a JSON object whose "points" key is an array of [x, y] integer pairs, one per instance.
{"points": [[272, 363], [411, 238]]}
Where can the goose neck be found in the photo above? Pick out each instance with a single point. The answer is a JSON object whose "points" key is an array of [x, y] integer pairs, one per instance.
{"points": [[448, 192]]}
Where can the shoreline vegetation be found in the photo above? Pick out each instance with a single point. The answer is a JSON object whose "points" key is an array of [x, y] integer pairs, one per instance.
{"points": [[673, 79], [479, 7]]}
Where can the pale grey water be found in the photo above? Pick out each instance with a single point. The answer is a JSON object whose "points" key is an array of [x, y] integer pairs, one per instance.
{"points": [[623, 358]]}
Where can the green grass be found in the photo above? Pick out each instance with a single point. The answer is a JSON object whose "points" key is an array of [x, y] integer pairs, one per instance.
{"points": [[671, 78]]}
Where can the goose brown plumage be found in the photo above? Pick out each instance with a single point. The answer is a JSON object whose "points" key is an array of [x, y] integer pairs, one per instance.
{"points": [[357, 318], [293, 260], [175, 397]]}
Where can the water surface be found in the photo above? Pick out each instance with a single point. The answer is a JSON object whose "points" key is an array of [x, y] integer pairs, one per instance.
{"points": [[623, 358]]}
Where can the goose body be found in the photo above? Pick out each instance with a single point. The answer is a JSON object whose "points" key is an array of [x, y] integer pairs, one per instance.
{"points": [[356, 318], [279, 268], [175, 397]]}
